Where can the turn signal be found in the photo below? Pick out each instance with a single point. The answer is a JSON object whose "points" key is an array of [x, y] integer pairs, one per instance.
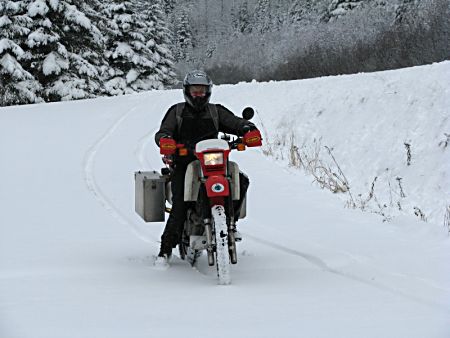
{"points": [[183, 152], [240, 147]]}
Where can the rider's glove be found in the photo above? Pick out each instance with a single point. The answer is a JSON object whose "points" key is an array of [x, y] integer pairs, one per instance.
{"points": [[167, 146], [253, 138], [248, 126]]}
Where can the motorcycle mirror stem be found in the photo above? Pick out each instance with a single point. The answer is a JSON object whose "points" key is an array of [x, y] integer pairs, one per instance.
{"points": [[248, 113]]}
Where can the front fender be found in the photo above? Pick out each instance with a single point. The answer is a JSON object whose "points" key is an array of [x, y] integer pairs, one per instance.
{"points": [[217, 186]]}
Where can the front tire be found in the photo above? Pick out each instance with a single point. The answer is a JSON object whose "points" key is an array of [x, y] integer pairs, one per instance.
{"points": [[222, 251]]}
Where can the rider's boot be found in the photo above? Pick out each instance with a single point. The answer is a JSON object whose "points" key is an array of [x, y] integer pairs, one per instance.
{"points": [[165, 253], [162, 260]]}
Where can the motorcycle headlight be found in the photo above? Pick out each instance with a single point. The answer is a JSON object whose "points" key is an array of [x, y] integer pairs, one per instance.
{"points": [[213, 158]]}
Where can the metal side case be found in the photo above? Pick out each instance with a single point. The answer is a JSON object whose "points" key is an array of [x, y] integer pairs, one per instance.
{"points": [[150, 195]]}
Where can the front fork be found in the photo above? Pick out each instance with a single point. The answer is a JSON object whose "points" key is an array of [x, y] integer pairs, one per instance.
{"points": [[209, 241], [231, 228]]}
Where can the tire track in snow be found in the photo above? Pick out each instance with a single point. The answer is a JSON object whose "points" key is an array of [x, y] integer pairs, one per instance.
{"points": [[95, 189], [141, 150], [323, 266]]}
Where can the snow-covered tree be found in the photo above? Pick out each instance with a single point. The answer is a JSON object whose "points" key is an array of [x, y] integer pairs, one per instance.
{"points": [[65, 47], [278, 16], [406, 12], [136, 60], [299, 10], [17, 85], [243, 19], [340, 7], [263, 16], [169, 6], [159, 41], [183, 36]]}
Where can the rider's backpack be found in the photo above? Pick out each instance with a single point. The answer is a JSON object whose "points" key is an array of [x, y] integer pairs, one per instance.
{"points": [[212, 108]]}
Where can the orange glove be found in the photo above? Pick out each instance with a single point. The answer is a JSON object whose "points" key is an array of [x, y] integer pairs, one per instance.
{"points": [[253, 138], [167, 146]]}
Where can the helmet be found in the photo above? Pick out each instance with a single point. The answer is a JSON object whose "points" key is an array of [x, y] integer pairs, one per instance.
{"points": [[197, 89]]}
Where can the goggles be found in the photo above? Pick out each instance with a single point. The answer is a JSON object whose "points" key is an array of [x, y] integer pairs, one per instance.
{"points": [[198, 90]]}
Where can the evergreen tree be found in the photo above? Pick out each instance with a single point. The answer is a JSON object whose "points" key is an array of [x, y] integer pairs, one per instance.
{"points": [[136, 61], [278, 16], [340, 7], [65, 47], [183, 36], [159, 41], [243, 20], [406, 12], [263, 16], [300, 10], [169, 6], [234, 18], [17, 85]]}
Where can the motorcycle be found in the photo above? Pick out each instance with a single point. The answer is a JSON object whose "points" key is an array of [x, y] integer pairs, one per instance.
{"points": [[212, 187]]}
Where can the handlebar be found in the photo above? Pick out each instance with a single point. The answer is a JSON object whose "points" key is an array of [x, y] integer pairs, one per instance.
{"points": [[233, 144]]}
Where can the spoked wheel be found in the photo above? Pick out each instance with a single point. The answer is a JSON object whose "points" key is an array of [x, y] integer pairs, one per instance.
{"points": [[186, 253], [222, 252]]}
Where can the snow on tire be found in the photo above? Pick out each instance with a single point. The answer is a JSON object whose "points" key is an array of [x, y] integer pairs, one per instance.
{"points": [[222, 256]]}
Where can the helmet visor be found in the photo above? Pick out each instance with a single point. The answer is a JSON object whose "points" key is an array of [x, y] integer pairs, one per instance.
{"points": [[198, 90]]}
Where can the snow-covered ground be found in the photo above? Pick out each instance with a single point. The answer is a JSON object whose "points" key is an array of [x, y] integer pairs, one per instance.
{"points": [[76, 261]]}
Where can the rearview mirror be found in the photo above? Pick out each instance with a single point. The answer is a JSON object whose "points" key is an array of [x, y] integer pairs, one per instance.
{"points": [[248, 113]]}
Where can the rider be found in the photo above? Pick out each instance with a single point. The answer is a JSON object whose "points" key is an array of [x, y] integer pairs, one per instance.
{"points": [[195, 120]]}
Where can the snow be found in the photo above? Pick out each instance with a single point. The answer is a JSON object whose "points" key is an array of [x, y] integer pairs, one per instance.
{"points": [[45, 23], [69, 88], [77, 261], [4, 21], [338, 11], [123, 50], [72, 14], [83, 66], [54, 64], [132, 75], [54, 4], [379, 114], [37, 7], [28, 88], [39, 37], [6, 44], [13, 68], [115, 86], [11, 6]]}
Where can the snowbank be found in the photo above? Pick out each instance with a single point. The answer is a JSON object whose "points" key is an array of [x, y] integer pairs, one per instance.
{"points": [[387, 130]]}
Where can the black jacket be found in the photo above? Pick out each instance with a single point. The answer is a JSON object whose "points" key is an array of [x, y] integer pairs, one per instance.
{"points": [[198, 125]]}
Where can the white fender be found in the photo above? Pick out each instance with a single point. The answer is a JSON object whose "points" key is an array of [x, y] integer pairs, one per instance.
{"points": [[192, 181], [233, 171]]}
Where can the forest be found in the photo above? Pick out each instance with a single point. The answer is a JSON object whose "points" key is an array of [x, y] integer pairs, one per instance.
{"points": [[266, 40], [55, 50]]}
